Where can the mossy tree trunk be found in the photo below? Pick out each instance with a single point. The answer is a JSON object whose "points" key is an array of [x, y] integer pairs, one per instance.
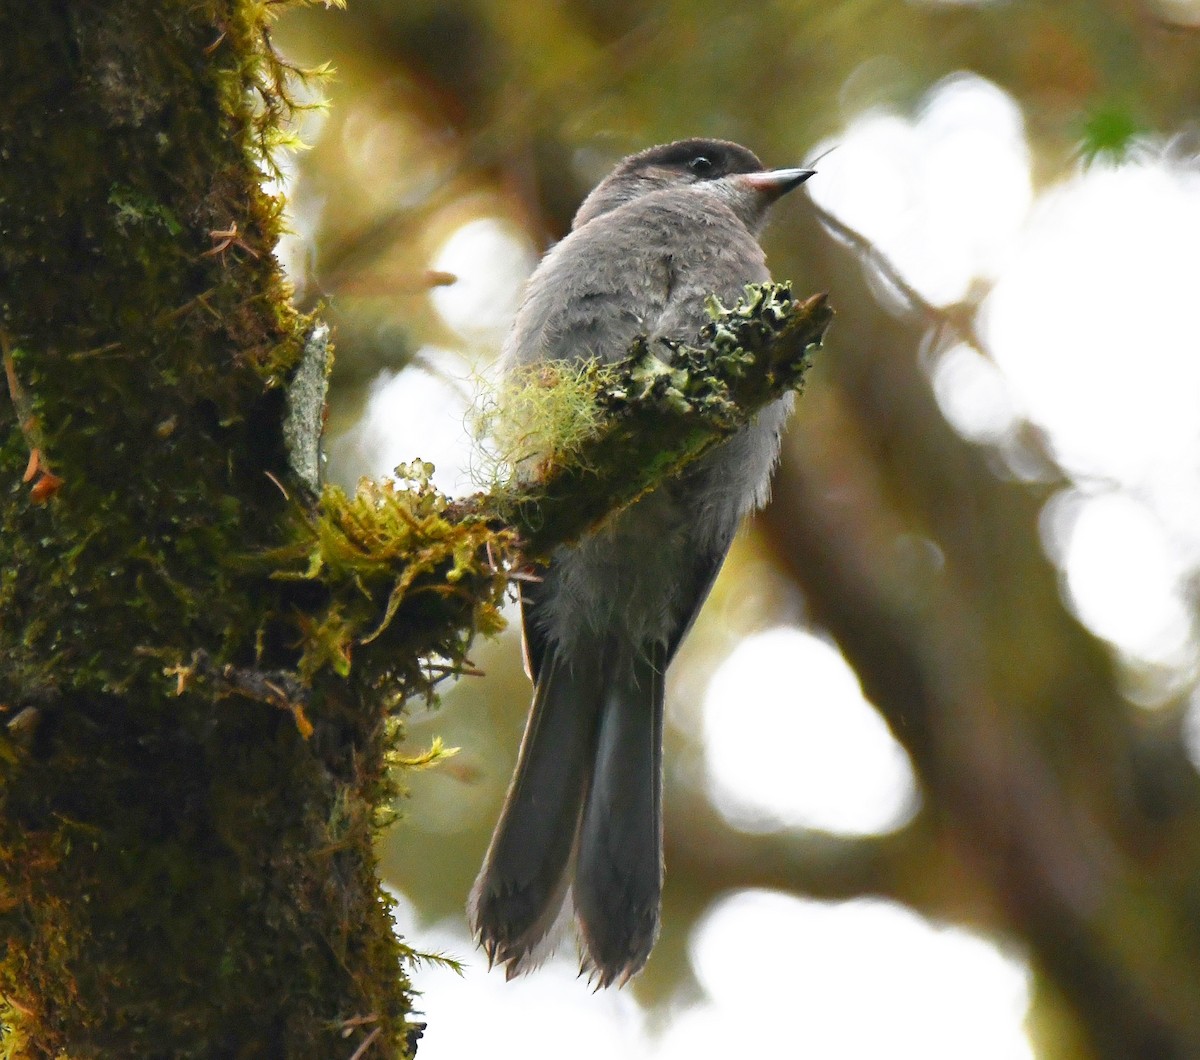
{"points": [[185, 870]]}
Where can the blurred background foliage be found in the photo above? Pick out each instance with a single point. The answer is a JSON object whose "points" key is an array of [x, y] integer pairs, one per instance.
{"points": [[1055, 809]]}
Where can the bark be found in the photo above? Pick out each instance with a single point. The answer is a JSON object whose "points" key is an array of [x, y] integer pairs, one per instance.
{"points": [[185, 842]]}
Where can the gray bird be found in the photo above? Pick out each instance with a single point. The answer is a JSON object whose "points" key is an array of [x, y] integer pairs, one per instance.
{"points": [[665, 230]]}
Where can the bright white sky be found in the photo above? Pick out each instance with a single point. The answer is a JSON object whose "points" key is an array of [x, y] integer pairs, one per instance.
{"points": [[783, 977], [1091, 335]]}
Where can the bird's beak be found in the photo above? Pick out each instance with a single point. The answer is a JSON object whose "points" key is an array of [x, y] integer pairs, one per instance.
{"points": [[773, 183]]}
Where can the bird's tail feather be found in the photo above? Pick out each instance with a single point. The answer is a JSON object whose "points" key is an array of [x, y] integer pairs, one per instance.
{"points": [[524, 880], [618, 872]]}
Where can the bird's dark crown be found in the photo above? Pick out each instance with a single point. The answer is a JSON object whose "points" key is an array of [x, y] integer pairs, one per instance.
{"points": [[683, 163], [705, 159]]}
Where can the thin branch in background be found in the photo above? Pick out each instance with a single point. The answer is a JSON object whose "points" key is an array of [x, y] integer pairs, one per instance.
{"points": [[959, 318], [956, 321]]}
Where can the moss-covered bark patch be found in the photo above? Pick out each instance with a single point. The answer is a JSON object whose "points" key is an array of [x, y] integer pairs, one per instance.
{"points": [[185, 870]]}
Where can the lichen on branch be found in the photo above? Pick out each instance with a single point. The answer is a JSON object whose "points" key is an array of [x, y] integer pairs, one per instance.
{"points": [[657, 410]]}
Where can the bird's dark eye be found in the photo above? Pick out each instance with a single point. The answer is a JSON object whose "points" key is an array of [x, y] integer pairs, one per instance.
{"points": [[701, 165]]}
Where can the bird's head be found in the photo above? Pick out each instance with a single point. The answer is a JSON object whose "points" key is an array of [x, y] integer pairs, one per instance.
{"points": [[718, 167]]}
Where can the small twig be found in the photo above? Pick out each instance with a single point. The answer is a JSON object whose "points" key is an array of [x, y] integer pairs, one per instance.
{"points": [[226, 238], [277, 688], [286, 495], [25, 417], [958, 318], [95, 351], [201, 300], [367, 1042], [31, 468], [350, 1025], [453, 671]]}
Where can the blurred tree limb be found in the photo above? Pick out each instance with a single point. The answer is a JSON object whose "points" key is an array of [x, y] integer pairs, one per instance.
{"points": [[1053, 812], [1048, 784]]}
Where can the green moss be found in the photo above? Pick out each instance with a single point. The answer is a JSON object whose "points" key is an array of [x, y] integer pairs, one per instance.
{"points": [[395, 565], [573, 419]]}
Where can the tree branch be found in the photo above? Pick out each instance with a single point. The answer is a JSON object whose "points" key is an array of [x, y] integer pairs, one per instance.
{"points": [[406, 575], [666, 407]]}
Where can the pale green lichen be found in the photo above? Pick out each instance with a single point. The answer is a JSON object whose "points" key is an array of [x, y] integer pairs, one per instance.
{"points": [[745, 355], [537, 415]]}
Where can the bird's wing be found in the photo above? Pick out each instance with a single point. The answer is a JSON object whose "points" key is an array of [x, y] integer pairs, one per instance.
{"points": [[694, 587], [533, 639]]}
